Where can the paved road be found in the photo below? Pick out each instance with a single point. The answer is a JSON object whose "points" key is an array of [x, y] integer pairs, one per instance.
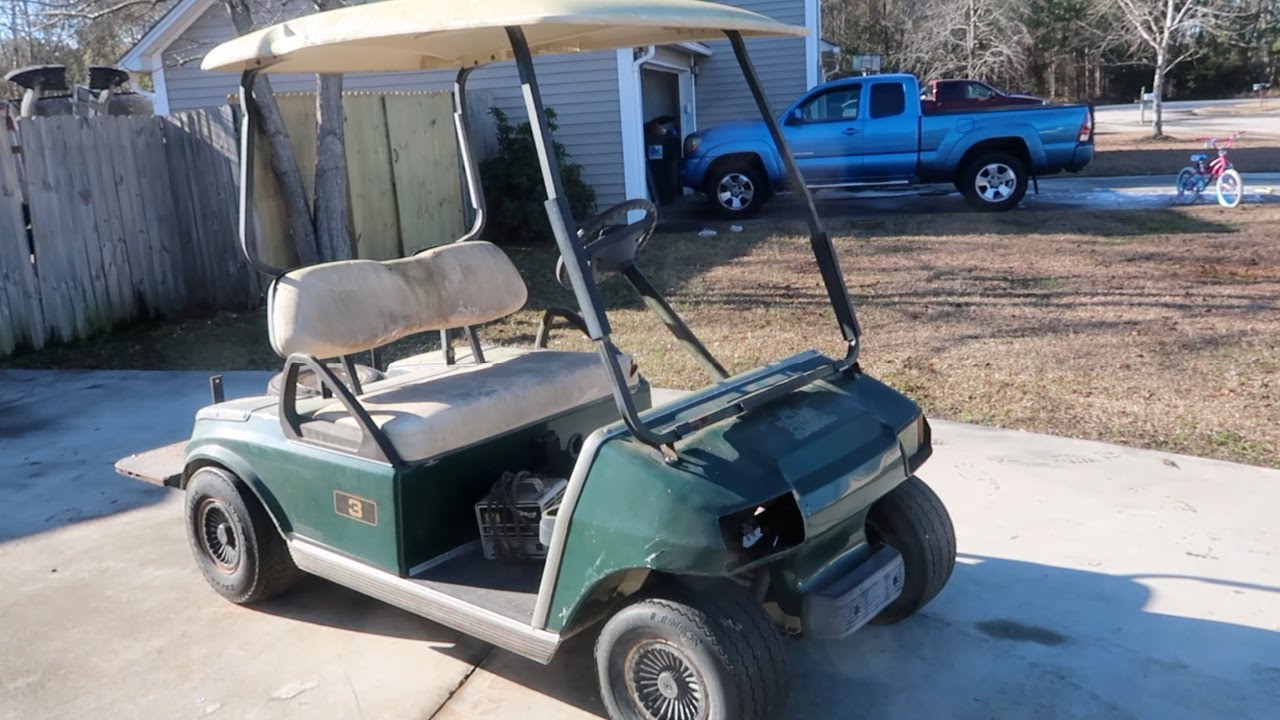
{"points": [[1199, 117], [1095, 582]]}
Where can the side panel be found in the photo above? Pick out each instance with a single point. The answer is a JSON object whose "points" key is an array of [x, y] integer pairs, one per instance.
{"points": [[890, 138], [334, 499], [1050, 134]]}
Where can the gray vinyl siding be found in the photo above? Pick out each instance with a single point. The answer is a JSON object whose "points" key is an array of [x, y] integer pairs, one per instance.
{"points": [[780, 62], [583, 90]]}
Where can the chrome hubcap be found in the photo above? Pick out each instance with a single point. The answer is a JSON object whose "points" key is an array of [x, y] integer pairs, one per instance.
{"points": [[663, 683], [218, 537], [735, 191], [995, 182]]}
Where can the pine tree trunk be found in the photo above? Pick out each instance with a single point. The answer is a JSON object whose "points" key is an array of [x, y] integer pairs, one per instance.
{"points": [[283, 163], [331, 200]]}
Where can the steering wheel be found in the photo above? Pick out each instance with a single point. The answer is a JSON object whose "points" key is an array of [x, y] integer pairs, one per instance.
{"points": [[610, 243]]}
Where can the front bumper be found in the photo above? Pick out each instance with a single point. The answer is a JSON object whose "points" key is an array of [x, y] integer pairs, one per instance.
{"points": [[693, 171], [849, 602]]}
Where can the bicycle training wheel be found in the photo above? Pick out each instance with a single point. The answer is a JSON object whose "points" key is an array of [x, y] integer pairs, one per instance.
{"points": [[1230, 188]]}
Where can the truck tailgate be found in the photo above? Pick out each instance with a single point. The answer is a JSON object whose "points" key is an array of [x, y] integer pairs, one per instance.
{"points": [[161, 466]]}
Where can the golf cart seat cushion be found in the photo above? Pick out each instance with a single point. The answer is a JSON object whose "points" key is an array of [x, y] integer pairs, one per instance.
{"points": [[431, 410], [350, 306]]}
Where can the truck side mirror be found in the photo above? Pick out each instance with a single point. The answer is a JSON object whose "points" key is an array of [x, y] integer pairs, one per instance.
{"points": [[795, 117]]}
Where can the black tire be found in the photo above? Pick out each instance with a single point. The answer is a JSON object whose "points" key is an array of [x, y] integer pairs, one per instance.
{"points": [[309, 385], [912, 520], [985, 169], [235, 544], [720, 654], [736, 189]]}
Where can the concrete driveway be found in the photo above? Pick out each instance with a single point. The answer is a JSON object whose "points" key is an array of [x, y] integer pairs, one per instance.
{"points": [[1095, 582]]}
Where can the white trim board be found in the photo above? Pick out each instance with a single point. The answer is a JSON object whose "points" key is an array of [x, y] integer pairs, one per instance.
{"points": [[144, 53], [160, 101], [812, 56], [633, 175]]}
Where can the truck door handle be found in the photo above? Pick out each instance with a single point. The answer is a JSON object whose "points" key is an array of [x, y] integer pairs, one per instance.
{"points": [[851, 131]]}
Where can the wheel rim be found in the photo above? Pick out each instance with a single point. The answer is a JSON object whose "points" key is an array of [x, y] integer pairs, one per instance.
{"points": [[663, 683], [995, 182], [735, 191], [1228, 190], [218, 536], [1186, 184]]}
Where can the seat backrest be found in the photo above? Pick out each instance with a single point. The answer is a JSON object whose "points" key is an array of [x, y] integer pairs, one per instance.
{"points": [[350, 306]]}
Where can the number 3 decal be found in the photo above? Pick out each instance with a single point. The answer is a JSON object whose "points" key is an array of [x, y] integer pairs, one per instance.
{"points": [[356, 508]]}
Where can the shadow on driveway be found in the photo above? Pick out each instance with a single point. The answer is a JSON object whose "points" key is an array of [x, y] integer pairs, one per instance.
{"points": [[1006, 639], [62, 431]]}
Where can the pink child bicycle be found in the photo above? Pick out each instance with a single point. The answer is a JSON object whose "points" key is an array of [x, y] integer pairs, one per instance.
{"points": [[1194, 180]]}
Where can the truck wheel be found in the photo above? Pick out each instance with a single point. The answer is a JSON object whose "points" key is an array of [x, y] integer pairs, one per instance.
{"points": [[912, 520], [736, 189], [711, 657], [236, 546], [994, 182]]}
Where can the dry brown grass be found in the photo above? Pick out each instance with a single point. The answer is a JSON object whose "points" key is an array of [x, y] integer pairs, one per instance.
{"points": [[1138, 154], [1157, 329]]}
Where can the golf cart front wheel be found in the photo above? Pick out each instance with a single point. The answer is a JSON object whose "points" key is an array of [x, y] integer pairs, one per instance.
{"points": [[235, 544], [1230, 188], [912, 520], [716, 656]]}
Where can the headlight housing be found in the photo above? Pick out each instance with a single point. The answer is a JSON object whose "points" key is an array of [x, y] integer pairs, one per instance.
{"points": [[914, 438], [691, 144]]}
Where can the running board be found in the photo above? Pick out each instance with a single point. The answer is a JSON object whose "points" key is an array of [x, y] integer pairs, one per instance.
{"points": [[404, 593], [836, 186]]}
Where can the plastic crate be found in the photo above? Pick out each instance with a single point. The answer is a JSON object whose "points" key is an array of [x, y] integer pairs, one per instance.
{"points": [[504, 534]]}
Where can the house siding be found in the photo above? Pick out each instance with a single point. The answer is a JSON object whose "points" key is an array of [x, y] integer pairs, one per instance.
{"points": [[780, 63], [582, 89]]}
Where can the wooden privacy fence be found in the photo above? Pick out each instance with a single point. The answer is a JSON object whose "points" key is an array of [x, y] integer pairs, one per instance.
{"points": [[108, 219], [128, 217], [405, 186]]}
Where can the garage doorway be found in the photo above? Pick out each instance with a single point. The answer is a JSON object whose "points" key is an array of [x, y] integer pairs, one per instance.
{"points": [[667, 117]]}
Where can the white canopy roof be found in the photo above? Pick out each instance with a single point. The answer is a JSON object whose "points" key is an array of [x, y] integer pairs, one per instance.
{"points": [[403, 35]]}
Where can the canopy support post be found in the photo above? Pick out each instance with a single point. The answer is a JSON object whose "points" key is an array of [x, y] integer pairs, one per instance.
{"points": [[575, 259], [248, 131], [469, 168]]}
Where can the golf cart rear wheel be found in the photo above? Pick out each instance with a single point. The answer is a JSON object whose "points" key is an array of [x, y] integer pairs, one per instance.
{"points": [[912, 520], [996, 181], [736, 189], [236, 546], [710, 656]]}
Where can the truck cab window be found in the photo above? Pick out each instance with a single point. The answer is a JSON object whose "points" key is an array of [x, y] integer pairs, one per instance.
{"points": [[835, 104], [888, 99], [978, 91]]}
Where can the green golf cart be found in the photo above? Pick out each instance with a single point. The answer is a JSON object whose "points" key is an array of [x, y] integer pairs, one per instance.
{"points": [[523, 495]]}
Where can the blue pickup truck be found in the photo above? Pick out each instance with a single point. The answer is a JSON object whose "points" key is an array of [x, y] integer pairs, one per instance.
{"points": [[871, 132]]}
